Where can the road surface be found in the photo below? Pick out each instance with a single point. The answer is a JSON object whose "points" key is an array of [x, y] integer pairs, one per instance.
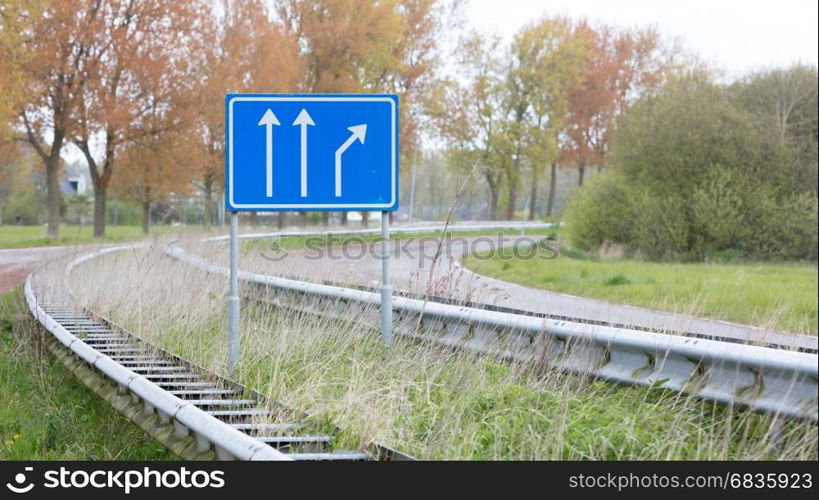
{"points": [[17, 263]]}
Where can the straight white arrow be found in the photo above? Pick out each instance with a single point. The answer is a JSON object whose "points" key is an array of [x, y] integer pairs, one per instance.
{"points": [[358, 132], [303, 120], [268, 120]]}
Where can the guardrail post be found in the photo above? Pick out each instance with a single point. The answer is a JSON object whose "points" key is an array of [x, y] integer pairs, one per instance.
{"points": [[233, 298], [386, 289]]}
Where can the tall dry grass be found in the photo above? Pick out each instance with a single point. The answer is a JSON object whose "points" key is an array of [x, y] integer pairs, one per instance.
{"points": [[422, 399]]}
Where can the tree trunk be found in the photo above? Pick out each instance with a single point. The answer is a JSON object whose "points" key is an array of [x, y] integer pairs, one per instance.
{"points": [[303, 219], [343, 218], [54, 198], [365, 219], [146, 216], [208, 188], [325, 219], [493, 204], [550, 202], [280, 220], [100, 194], [533, 192], [581, 173], [511, 201]]}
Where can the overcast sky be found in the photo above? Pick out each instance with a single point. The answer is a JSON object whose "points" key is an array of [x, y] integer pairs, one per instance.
{"points": [[736, 35]]}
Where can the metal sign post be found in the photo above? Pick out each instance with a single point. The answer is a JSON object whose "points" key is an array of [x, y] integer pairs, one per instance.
{"points": [[310, 152], [233, 298], [386, 289]]}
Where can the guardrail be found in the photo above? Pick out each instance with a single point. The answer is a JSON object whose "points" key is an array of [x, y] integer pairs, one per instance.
{"points": [[170, 414], [517, 226], [772, 380]]}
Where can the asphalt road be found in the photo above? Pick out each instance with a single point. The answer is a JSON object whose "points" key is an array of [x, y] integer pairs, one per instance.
{"points": [[17, 263]]}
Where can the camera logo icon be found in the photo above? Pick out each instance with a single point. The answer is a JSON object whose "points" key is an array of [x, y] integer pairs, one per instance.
{"points": [[20, 479]]}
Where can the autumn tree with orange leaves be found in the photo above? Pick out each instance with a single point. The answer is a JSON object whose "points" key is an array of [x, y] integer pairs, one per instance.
{"points": [[387, 46], [60, 56], [245, 51], [143, 47], [623, 64]]}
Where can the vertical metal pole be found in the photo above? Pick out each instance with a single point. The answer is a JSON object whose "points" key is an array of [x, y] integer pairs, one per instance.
{"points": [[386, 289], [233, 299]]}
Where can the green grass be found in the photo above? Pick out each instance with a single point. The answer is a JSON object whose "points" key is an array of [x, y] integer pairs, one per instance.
{"points": [[781, 295], [46, 413], [35, 236]]}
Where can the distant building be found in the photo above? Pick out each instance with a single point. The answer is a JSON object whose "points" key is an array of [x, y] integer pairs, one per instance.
{"points": [[76, 179]]}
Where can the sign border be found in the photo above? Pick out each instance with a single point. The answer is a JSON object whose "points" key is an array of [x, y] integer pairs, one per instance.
{"points": [[392, 205]]}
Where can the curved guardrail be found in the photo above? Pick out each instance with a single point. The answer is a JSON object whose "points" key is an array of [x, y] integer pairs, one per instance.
{"points": [[169, 413], [196, 414], [773, 380]]}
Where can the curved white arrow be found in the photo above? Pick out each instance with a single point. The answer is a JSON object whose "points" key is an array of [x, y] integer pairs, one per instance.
{"points": [[358, 132], [303, 120], [268, 120]]}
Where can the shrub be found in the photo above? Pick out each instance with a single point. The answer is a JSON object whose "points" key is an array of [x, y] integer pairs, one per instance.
{"points": [[693, 175], [601, 212]]}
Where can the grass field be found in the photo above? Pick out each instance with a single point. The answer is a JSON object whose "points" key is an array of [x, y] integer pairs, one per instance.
{"points": [[778, 295], [46, 413], [35, 236], [424, 400]]}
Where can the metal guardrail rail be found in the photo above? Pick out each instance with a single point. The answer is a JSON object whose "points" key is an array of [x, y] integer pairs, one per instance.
{"points": [[778, 381], [195, 414]]}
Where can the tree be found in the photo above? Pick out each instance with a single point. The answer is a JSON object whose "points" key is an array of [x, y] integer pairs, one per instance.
{"points": [[370, 46], [60, 56], [546, 58], [468, 112], [624, 64], [784, 101], [16, 20], [693, 173], [245, 52], [152, 162], [140, 44]]}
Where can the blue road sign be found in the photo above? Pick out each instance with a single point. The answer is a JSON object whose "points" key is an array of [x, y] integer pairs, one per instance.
{"points": [[311, 152]]}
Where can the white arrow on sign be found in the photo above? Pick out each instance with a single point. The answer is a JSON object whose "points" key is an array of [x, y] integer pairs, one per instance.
{"points": [[303, 120], [268, 120], [358, 132]]}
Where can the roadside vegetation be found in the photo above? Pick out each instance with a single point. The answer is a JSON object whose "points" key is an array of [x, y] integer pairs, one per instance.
{"points": [[46, 413], [35, 236], [699, 169], [777, 295], [424, 400]]}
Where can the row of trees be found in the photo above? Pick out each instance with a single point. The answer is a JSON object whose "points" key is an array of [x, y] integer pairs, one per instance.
{"points": [[137, 86], [551, 95]]}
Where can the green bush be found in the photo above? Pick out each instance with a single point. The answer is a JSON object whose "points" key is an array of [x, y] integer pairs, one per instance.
{"points": [[661, 226], [27, 204], [693, 175], [724, 216], [602, 211]]}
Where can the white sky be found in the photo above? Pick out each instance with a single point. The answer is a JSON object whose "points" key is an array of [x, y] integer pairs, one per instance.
{"points": [[736, 35]]}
